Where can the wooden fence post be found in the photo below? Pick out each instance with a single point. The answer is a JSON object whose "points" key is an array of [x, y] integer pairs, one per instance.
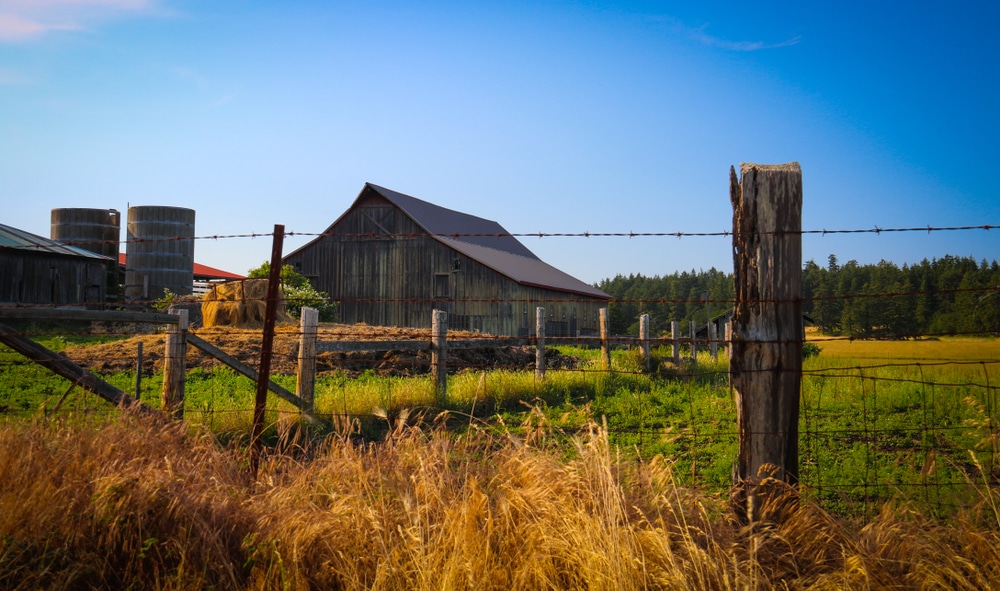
{"points": [[305, 381], [713, 340], [675, 338], [644, 338], [439, 355], [174, 367], [765, 364], [605, 346], [266, 346], [540, 342], [728, 339], [693, 327], [138, 371]]}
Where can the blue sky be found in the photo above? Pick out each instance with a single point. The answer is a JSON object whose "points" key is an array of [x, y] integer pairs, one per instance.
{"points": [[554, 117]]}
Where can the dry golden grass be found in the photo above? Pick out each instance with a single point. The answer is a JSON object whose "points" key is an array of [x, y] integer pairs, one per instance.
{"points": [[145, 504]]}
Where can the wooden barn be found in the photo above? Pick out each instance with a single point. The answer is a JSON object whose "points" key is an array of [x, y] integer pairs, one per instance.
{"points": [[390, 259], [40, 271]]}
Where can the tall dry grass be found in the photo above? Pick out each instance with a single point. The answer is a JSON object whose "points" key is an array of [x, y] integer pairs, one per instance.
{"points": [[144, 504]]}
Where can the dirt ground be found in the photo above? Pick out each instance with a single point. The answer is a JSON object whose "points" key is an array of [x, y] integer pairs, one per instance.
{"points": [[244, 344]]}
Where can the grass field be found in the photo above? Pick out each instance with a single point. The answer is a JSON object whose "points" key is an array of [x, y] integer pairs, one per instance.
{"points": [[916, 351], [582, 480], [908, 420]]}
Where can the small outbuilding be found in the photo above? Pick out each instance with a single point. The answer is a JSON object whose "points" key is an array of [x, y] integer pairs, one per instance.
{"points": [[391, 259], [39, 271]]}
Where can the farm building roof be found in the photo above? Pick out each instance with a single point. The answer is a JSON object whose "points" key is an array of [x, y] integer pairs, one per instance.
{"points": [[200, 271], [526, 271], [11, 237], [456, 225]]}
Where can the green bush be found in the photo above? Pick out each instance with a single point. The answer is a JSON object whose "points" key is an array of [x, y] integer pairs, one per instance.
{"points": [[810, 350], [298, 292]]}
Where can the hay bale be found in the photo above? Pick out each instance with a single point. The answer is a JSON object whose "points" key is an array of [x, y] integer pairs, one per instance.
{"points": [[240, 303]]}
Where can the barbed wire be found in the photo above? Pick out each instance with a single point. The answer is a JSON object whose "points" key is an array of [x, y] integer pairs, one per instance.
{"points": [[540, 234]]}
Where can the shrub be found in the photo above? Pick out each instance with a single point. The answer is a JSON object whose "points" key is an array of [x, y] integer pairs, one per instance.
{"points": [[298, 292]]}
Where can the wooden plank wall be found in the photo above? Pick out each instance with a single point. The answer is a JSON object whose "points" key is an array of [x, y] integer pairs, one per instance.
{"points": [[48, 279]]}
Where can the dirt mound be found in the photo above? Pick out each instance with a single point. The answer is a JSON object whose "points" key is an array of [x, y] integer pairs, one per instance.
{"points": [[244, 344]]}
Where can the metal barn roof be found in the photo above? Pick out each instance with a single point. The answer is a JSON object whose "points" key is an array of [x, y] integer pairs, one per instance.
{"points": [[524, 270], [456, 225], [482, 240], [11, 237], [200, 271]]}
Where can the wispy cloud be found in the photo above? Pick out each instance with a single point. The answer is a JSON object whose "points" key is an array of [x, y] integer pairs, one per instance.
{"points": [[28, 20], [203, 84], [701, 36], [224, 100]]}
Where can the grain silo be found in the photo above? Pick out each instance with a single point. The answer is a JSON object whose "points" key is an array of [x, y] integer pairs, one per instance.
{"points": [[160, 252], [96, 230]]}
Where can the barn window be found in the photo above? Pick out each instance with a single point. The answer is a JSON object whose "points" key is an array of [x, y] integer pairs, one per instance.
{"points": [[442, 290]]}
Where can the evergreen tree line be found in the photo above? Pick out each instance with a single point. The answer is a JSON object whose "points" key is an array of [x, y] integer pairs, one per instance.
{"points": [[950, 295]]}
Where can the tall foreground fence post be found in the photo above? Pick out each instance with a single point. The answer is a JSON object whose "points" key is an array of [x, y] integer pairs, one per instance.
{"points": [[439, 354], [174, 367], [305, 382], [765, 363], [266, 345], [540, 342]]}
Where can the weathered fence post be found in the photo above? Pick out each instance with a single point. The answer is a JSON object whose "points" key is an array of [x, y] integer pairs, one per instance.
{"points": [[174, 367], [713, 340], [765, 363], [266, 346], [540, 342], [439, 355], [693, 327], [605, 346], [675, 338], [138, 370], [728, 339], [644, 338], [305, 381]]}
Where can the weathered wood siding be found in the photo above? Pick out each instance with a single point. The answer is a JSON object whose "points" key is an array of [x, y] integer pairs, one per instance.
{"points": [[48, 279], [386, 271]]}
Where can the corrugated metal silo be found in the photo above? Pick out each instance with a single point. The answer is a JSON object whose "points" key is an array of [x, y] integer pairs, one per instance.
{"points": [[160, 252], [97, 230]]}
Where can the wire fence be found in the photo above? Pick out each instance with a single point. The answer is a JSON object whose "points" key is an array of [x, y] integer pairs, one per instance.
{"points": [[913, 415]]}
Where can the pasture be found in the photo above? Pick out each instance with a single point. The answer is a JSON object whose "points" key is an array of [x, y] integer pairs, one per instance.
{"points": [[586, 479], [879, 419]]}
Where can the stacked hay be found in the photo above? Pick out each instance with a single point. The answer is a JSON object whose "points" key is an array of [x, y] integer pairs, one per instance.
{"points": [[238, 303]]}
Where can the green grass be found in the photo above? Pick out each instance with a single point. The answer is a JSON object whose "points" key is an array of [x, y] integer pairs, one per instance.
{"points": [[871, 429]]}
